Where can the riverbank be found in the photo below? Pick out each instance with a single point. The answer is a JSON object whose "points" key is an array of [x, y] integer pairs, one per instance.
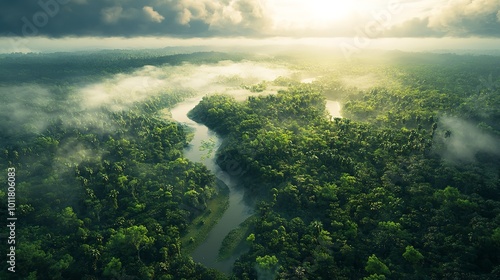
{"points": [[201, 226], [235, 242]]}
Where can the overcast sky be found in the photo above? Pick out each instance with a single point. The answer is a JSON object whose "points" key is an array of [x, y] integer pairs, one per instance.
{"points": [[250, 18]]}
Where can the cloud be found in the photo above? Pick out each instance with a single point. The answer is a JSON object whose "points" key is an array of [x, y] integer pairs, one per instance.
{"points": [[20, 109], [71, 152], [152, 14], [111, 14], [250, 18], [126, 18], [416, 27], [467, 18], [457, 18], [122, 91], [32, 108], [228, 16], [465, 140]]}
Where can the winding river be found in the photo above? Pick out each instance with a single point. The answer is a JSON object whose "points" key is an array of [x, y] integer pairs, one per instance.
{"points": [[238, 211]]}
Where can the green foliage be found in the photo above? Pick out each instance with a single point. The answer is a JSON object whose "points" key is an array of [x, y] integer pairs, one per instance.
{"points": [[375, 266], [134, 235], [368, 184], [267, 262], [256, 88], [251, 238], [113, 268], [412, 255], [208, 146], [237, 240], [104, 203], [375, 277], [78, 67], [102, 195], [496, 236]]}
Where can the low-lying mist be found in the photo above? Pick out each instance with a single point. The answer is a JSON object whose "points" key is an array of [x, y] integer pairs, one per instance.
{"points": [[31, 108], [122, 91], [463, 141], [27, 107]]}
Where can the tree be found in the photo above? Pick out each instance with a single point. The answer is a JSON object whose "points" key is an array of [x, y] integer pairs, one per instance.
{"points": [[267, 262], [68, 221], [251, 238], [113, 268], [134, 235], [412, 255], [59, 267], [496, 236], [375, 266]]}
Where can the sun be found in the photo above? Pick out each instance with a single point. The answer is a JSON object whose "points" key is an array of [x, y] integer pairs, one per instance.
{"points": [[325, 11], [310, 14]]}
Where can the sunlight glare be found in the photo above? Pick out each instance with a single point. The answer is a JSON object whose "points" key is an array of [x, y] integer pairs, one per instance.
{"points": [[325, 11], [311, 14]]}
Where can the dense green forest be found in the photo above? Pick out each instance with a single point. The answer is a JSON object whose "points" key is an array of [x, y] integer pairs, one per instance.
{"points": [[394, 191], [69, 68], [405, 186], [103, 194]]}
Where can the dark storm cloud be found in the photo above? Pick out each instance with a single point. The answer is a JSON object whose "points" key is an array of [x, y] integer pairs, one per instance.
{"points": [[182, 18]]}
